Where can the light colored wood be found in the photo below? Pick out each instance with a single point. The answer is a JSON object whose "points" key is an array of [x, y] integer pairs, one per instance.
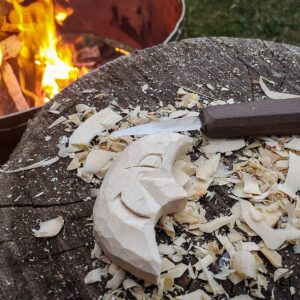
{"points": [[138, 189], [9, 48], [13, 87]]}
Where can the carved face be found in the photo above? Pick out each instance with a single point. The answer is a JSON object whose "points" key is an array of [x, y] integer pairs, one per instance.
{"points": [[138, 189]]}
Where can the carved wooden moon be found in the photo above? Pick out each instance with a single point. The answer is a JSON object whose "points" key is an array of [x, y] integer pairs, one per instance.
{"points": [[137, 190]]}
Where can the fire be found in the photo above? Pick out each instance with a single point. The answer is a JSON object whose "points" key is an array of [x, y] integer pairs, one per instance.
{"points": [[123, 51], [45, 61]]}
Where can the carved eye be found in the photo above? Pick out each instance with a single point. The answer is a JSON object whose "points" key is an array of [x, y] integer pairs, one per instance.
{"points": [[152, 161]]}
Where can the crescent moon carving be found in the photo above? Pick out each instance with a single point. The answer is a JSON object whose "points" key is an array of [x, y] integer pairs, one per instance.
{"points": [[137, 190]]}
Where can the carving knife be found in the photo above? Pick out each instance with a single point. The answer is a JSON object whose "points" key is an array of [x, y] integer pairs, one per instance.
{"points": [[265, 117]]}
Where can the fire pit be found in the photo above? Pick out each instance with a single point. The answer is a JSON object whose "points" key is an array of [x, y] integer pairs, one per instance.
{"points": [[89, 34]]}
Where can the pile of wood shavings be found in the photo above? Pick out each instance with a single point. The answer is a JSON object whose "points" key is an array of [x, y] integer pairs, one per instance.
{"points": [[263, 179]]}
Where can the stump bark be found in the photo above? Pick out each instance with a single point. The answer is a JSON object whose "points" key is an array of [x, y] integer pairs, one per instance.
{"points": [[55, 268]]}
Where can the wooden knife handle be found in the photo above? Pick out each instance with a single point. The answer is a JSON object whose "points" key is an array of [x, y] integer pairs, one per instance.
{"points": [[267, 117]]}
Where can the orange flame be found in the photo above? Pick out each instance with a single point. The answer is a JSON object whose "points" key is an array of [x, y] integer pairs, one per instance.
{"points": [[123, 51], [44, 59]]}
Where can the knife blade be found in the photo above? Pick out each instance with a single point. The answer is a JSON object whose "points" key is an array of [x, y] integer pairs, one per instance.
{"points": [[174, 125], [266, 117]]}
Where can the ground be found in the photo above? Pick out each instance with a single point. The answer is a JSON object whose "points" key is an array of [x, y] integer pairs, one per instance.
{"points": [[274, 20]]}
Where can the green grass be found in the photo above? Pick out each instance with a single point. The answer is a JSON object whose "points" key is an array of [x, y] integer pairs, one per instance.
{"points": [[276, 20]]}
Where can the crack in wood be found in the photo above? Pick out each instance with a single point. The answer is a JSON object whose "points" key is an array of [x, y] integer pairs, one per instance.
{"points": [[15, 205]]}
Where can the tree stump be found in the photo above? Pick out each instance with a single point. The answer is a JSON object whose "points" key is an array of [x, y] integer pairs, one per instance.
{"points": [[55, 268]]}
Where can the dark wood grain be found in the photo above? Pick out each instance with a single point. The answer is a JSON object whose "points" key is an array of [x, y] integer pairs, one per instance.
{"points": [[55, 268], [279, 117]]}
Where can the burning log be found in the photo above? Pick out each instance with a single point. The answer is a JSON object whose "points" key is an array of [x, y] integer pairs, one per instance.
{"points": [[13, 87], [9, 48]]}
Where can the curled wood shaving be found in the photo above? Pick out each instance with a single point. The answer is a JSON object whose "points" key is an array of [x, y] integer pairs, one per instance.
{"points": [[129, 283], [209, 167], [166, 265], [224, 274], [196, 188], [250, 184], [235, 278], [223, 146], [273, 94], [267, 157], [242, 297], [117, 279], [216, 288], [292, 182], [95, 275], [197, 295], [273, 256], [49, 228], [97, 161], [96, 252], [205, 261], [235, 237], [166, 223], [293, 144], [244, 264], [189, 100], [223, 239], [41, 164], [193, 213], [239, 192], [93, 126], [177, 271], [191, 271], [217, 223], [249, 246], [166, 249], [282, 273], [57, 121], [273, 238], [178, 114]]}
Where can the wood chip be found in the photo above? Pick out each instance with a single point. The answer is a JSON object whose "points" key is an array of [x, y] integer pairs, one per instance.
{"points": [[273, 94], [57, 121], [97, 160], [209, 167], [292, 182], [250, 184], [273, 256], [223, 146], [93, 126], [41, 164], [95, 275], [293, 144], [197, 295], [273, 238], [281, 273], [166, 265], [177, 271], [49, 228], [217, 223], [116, 280]]}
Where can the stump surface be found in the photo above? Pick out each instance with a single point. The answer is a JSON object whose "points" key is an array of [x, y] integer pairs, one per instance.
{"points": [[55, 268]]}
